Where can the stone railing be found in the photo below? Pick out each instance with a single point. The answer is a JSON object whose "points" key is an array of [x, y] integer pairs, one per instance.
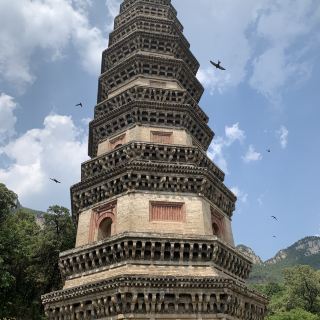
{"points": [[154, 249], [148, 152]]}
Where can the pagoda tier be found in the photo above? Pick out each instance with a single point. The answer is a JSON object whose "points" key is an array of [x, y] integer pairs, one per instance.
{"points": [[154, 237]]}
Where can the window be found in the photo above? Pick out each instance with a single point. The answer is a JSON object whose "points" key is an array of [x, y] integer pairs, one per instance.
{"points": [[217, 223], [117, 142], [215, 229], [104, 230], [167, 211], [161, 137]]}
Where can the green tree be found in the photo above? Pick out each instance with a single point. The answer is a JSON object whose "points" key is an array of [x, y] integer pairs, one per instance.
{"points": [[294, 314], [8, 200], [19, 239], [58, 235], [29, 252], [303, 288]]}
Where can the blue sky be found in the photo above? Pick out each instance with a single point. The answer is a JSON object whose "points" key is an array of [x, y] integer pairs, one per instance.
{"points": [[50, 53]]}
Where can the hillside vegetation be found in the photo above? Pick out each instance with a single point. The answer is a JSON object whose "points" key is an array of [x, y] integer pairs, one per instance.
{"points": [[304, 252]]}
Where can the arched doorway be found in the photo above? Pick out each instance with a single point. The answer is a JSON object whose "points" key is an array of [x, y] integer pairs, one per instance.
{"points": [[215, 229], [105, 229]]}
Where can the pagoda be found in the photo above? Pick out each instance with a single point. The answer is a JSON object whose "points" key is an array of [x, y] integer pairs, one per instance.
{"points": [[154, 237]]}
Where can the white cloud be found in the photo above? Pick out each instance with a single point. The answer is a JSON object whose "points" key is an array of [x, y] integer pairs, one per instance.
{"points": [[234, 133], [269, 43], [227, 42], [283, 134], [113, 11], [252, 155], [215, 152], [45, 28], [56, 150], [216, 149], [7, 117], [288, 29], [242, 196]]}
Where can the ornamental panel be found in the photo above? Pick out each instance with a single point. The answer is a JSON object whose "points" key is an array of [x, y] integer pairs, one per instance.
{"points": [[167, 211]]}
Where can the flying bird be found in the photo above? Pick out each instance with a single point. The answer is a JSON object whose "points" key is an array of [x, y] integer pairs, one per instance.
{"points": [[217, 65], [275, 218], [274, 236], [268, 150], [79, 105], [55, 180]]}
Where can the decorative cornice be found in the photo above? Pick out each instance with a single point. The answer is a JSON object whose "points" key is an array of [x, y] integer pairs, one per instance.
{"points": [[148, 94], [155, 249], [145, 8], [165, 68], [127, 4], [143, 176], [150, 24], [153, 43], [163, 115], [144, 296], [144, 151]]}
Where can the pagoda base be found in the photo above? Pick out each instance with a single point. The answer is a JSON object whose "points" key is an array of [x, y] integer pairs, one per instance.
{"points": [[144, 297]]}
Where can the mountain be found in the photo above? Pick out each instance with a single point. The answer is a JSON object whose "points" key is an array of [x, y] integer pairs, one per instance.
{"points": [[305, 251], [38, 214], [250, 254]]}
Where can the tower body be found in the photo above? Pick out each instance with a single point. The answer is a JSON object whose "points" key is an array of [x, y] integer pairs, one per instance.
{"points": [[154, 237]]}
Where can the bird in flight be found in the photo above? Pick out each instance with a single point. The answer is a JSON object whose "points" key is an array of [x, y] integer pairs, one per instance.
{"points": [[55, 180], [79, 105], [217, 65], [274, 236], [268, 150], [275, 218]]}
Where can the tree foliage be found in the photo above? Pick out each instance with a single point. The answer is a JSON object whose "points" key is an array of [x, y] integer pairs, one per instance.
{"points": [[303, 288], [294, 314], [29, 252], [298, 297]]}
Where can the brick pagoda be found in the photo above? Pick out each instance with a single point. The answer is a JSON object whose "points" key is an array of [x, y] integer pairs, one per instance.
{"points": [[154, 238]]}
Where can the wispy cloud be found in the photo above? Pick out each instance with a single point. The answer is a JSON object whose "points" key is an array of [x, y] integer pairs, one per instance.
{"points": [[7, 117], [252, 155], [242, 196], [273, 44], [216, 149], [283, 134], [113, 11]]}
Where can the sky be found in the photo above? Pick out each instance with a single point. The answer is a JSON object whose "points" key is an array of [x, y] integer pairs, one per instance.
{"points": [[267, 99]]}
